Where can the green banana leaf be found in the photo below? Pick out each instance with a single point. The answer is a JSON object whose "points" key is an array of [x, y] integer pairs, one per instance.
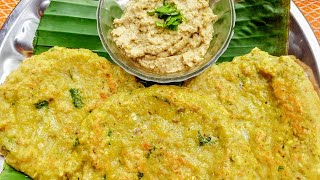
{"points": [[260, 23], [8, 173], [72, 23]]}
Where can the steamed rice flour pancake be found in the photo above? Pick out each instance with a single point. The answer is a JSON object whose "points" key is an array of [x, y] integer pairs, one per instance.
{"points": [[43, 103], [275, 106]]}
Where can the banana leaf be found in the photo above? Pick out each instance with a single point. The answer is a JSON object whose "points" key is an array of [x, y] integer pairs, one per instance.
{"points": [[8, 173], [69, 23], [72, 23], [259, 23]]}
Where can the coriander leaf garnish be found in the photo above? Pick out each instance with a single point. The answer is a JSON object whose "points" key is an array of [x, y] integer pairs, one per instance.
{"points": [[76, 143], [160, 24], [150, 151], [76, 98], [140, 175], [203, 140], [169, 13], [280, 168], [110, 133], [151, 13], [41, 104]]}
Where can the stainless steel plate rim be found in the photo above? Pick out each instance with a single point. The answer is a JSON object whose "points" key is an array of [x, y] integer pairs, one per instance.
{"points": [[308, 33]]}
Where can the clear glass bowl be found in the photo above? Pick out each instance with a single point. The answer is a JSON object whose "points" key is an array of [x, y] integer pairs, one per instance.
{"points": [[108, 10]]}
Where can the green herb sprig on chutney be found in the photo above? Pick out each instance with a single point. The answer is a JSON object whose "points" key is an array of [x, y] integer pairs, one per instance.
{"points": [[169, 13]]}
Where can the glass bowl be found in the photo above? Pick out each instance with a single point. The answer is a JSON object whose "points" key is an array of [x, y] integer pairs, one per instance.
{"points": [[108, 10]]}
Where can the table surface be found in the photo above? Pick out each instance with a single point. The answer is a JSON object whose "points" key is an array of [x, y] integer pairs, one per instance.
{"points": [[310, 9]]}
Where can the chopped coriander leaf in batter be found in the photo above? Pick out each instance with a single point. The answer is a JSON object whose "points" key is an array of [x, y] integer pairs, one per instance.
{"points": [[203, 140], [76, 98], [76, 142], [280, 168], [140, 175], [41, 104], [110, 133]]}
